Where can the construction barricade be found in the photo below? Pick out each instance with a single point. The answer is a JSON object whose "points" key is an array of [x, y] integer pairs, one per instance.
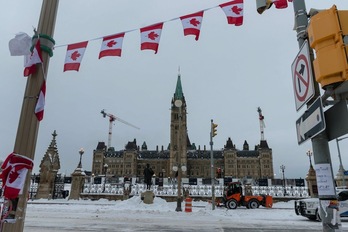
{"points": [[188, 205]]}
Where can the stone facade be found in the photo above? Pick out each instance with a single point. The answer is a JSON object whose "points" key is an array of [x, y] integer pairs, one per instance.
{"points": [[312, 182], [49, 168], [233, 162], [77, 182]]}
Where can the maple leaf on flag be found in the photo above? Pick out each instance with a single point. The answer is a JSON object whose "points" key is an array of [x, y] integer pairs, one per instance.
{"points": [[75, 55], [111, 43], [13, 176], [152, 35], [236, 10], [194, 22]]}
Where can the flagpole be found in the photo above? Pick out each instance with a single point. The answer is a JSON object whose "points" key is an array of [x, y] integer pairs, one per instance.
{"points": [[28, 125]]}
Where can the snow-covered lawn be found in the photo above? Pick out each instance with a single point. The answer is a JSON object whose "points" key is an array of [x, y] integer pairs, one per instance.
{"points": [[134, 215]]}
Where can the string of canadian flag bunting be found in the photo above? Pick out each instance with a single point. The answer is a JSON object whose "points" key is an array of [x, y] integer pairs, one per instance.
{"points": [[150, 35], [111, 45]]}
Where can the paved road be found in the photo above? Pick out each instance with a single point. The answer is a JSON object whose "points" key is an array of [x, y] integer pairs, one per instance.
{"points": [[61, 223], [170, 228]]}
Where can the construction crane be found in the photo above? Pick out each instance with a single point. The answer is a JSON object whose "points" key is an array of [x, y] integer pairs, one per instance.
{"points": [[113, 118], [262, 123]]}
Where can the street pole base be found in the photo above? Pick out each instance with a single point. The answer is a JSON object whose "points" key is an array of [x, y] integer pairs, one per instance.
{"points": [[178, 205]]}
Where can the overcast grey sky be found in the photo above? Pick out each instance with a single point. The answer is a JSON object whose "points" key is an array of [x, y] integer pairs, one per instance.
{"points": [[226, 75]]}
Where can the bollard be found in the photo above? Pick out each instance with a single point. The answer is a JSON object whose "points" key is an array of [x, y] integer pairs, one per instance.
{"points": [[188, 205]]}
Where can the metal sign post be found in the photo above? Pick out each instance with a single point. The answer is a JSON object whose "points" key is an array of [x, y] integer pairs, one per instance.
{"points": [[321, 152]]}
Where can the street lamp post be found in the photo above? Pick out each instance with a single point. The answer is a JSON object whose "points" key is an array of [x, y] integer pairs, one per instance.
{"points": [[91, 183], [32, 187], [341, 169], [105, 170], [178, 103], [309, 154], [282, 168]]}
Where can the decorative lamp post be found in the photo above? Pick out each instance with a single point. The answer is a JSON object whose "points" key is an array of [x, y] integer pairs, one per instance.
{"points": [[81, 151], [178, 103], [91, 183], [32, 186], [309, 154], [105, 170], [282, 168], [341, 168]]}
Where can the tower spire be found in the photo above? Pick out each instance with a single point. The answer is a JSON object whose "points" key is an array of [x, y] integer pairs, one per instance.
{"points": [[53, 142], [178, 90]]}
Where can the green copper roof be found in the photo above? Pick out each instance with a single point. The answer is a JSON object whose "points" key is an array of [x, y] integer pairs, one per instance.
{"points": [[178, 91]]}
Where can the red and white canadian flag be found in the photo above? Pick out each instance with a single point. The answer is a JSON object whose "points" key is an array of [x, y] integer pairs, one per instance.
{"points": [[111, 45], [74, 56], [150, 37], [14, 172], [192, 24], [234, 12], [40, 104], [281, 4], [31, 60]]}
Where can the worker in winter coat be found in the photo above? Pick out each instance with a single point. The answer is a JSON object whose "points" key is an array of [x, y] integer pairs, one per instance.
{"points": [[148, 173]]}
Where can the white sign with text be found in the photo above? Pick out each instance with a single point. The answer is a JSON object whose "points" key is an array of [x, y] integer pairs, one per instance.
{"points": [[324, 180]]}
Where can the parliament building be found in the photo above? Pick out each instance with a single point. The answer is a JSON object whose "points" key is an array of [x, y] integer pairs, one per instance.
{"points": [[256, 163]]}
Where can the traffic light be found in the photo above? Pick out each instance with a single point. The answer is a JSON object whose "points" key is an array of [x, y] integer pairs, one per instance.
{"points": [[326, 33], [213, 129], [263, 5]]}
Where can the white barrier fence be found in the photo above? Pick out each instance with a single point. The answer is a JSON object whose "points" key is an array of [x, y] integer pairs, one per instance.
{"points": [[194, 190]]}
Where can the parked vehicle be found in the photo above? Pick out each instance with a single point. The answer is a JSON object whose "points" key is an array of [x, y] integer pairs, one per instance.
{"points": [[234, 197], [309, 208]]}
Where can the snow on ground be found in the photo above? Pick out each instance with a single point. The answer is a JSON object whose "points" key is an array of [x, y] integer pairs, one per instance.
{"points": [[134, 215]]}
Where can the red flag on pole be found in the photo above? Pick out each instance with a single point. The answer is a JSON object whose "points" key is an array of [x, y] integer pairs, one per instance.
{"points": [[14, 172], [34, 58], [40, 104]]}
